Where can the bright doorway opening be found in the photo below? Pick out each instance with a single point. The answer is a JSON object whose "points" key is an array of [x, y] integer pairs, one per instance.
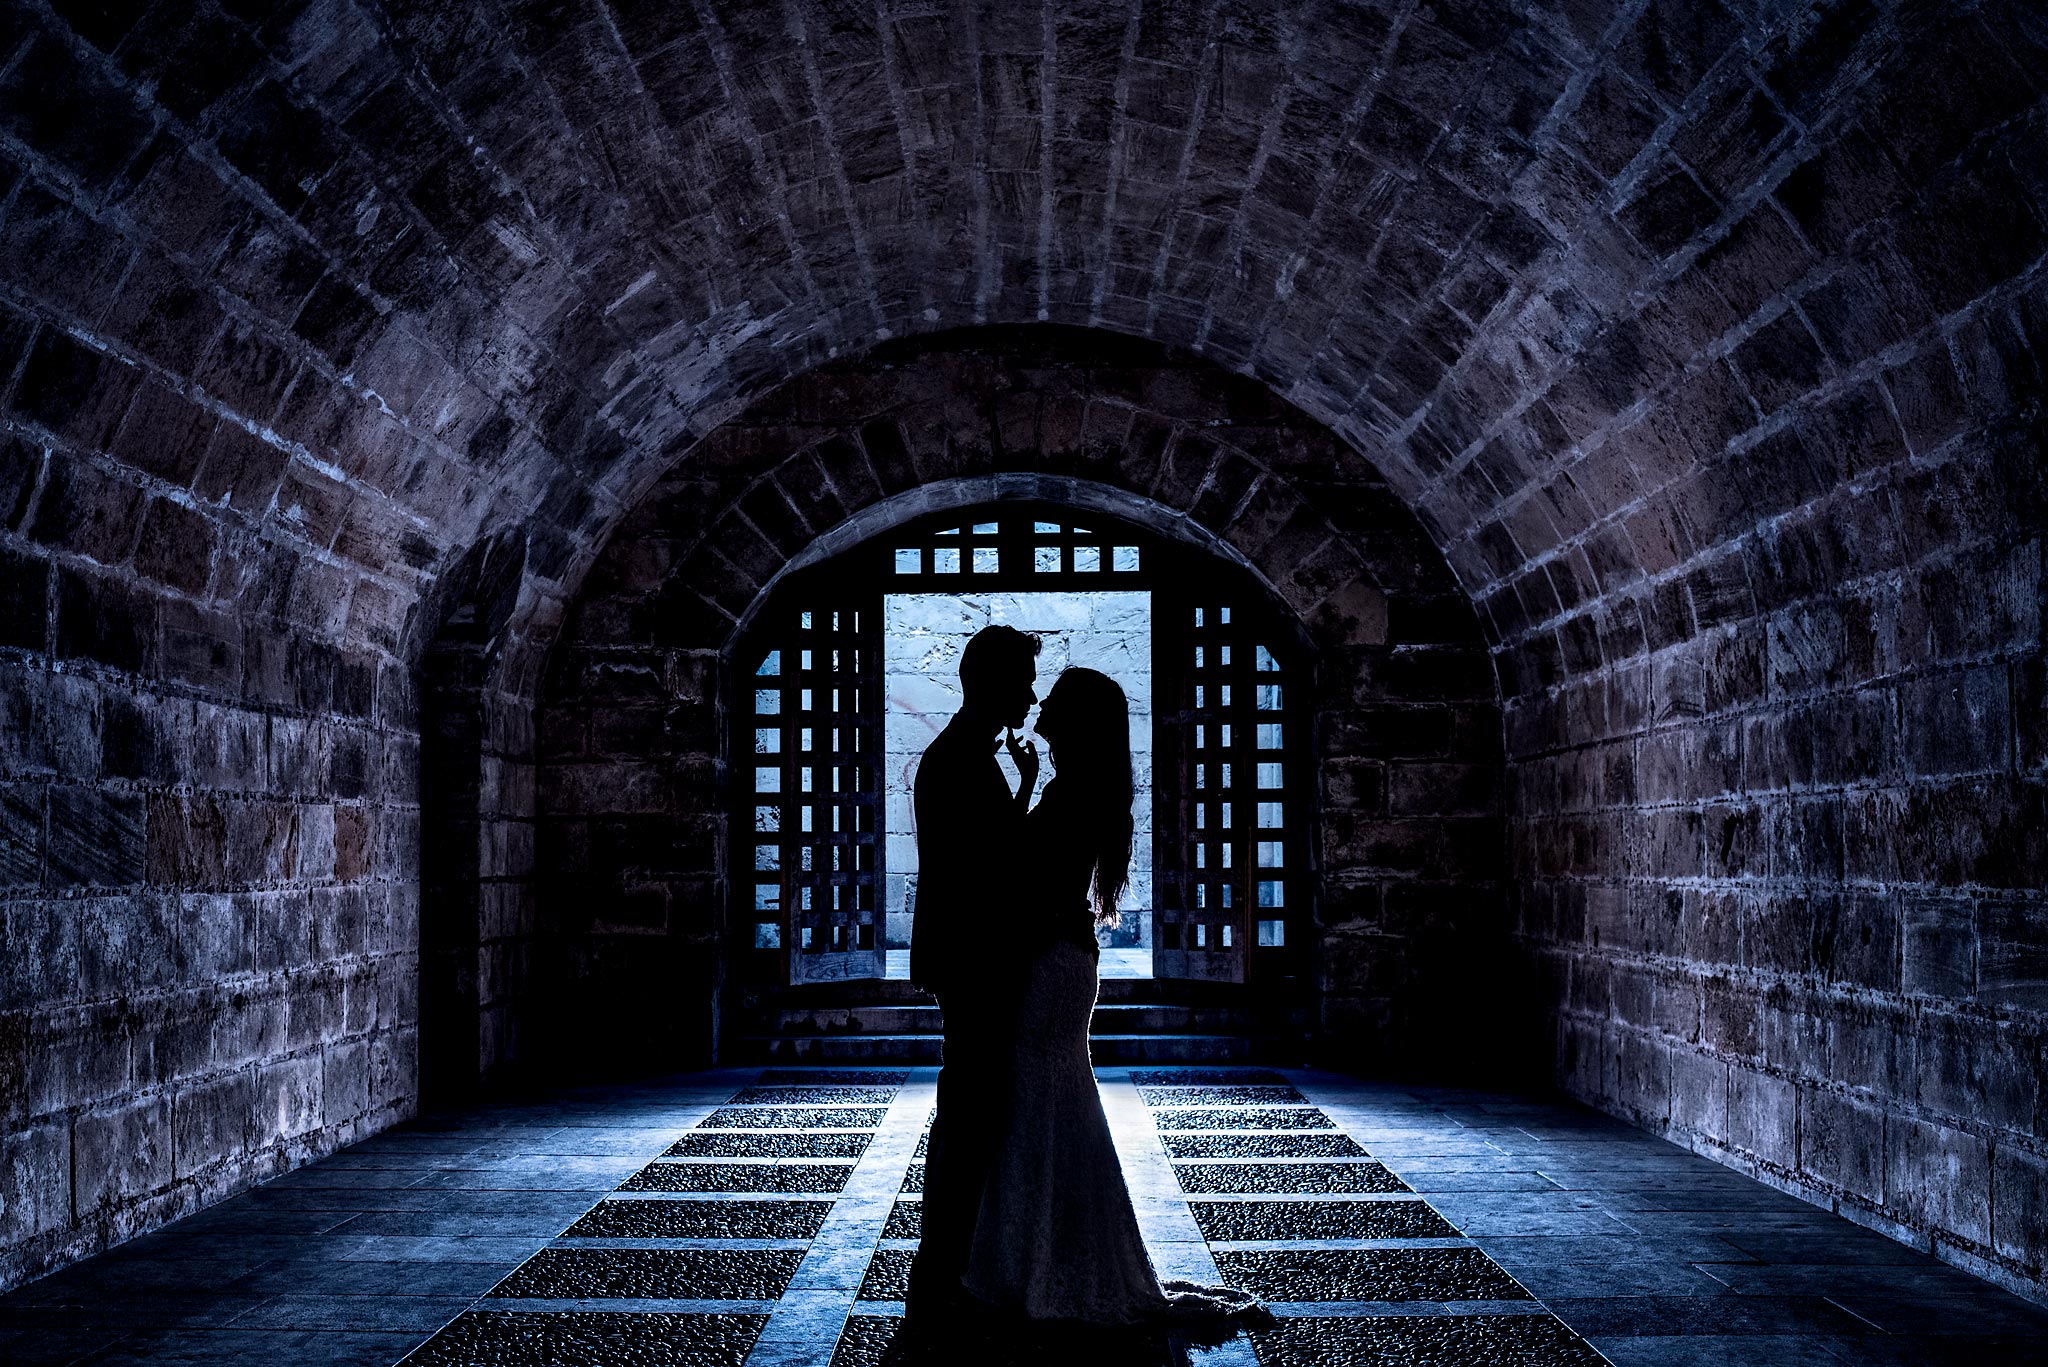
{"points": [[922, 637]]}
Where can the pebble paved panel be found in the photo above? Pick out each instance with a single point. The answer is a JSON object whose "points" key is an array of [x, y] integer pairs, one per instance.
{"points": [[794, 1118], [1276, 1177], [827, 1096], [1231, 1221], [833, 1077], [1221, 1096], [684, 1274], [739, 1177], [888, 1275], [866, 1340], [906, 1221], [924, 1143], [1394, 1274], [1246, 1118], [586, 1338], [913, 1180], [1283, 1145], [701, 1220], [1207, 1077], [748, 1144], [1423, 1341]]}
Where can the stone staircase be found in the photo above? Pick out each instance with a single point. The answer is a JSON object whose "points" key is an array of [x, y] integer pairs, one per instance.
{"points": [[882, 1020]]}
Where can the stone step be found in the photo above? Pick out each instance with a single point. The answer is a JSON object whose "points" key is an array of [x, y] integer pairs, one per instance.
{"points": [[915, 1049], [1110, 1019], [858, 992]]}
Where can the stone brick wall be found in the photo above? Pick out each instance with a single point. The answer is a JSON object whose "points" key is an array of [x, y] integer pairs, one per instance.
{"points": [[208, 920], [1411, 906], [1770, 623], [1702, 340]]}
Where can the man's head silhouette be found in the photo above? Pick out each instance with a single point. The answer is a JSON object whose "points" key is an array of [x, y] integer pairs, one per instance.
{"points": [[997, 671]]}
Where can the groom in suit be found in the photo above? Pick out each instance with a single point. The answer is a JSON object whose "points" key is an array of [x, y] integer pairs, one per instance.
{"points": [[969, 829]]}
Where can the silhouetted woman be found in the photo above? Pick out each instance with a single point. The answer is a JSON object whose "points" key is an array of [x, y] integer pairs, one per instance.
{"points": [[1057, 1239]]}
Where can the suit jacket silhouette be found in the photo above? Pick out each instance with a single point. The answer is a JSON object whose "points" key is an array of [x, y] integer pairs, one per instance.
{"points": [[969, 835]]}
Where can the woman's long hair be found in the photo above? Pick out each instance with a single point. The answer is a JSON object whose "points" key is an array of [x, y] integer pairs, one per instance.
{"points": [[1096, 745]]}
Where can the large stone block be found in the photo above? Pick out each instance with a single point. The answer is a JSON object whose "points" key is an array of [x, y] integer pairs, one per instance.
{"points": [[2019, 1204], [1763, 1116], [1841, 1143], [1938, 1177], [35, 1164], [122, 1152], [211, 1122], [288, 1099], [97, 837]]}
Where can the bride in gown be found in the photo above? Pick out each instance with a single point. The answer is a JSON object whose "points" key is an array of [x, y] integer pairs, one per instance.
{"points": [[1056, 1238]]}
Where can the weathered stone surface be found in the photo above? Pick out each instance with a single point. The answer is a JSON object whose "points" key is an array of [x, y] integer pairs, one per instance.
{"points": [[1693, 376]]}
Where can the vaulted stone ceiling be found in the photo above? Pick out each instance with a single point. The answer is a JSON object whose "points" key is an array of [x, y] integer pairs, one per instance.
{"points": [[1598, 287]]}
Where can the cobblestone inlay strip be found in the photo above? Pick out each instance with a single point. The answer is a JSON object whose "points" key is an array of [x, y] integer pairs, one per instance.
{"points": [[794, 1118], [1283, 1144], [1234, 1221], [1362, 1175], [1221, 1096], [865, 1341], [906, 1221], [713, 1177], [486, 1338], [768, 1144], [693, 1274], [1533, 1340], [1207, 1077], [617, 1219], [815, 1096], [1423, 1274], [887, 1275], [1244, 1118]]}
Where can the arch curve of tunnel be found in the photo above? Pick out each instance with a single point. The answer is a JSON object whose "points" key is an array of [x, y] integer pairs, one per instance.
{"points": [[630, 793], [1646, 396]]}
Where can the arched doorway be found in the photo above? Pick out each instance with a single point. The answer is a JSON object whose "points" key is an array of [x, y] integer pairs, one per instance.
{"points": [[1228, 668]]}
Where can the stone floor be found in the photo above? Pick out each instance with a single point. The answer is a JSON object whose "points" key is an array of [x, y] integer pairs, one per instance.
{"points": [[756, 1218]]}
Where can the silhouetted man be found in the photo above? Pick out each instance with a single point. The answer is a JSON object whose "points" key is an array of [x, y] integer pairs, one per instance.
{"points": [[969, 829]]}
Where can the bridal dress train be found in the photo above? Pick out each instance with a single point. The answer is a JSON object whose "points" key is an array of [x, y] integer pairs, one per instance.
{"points": [[1057, 1238]]}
